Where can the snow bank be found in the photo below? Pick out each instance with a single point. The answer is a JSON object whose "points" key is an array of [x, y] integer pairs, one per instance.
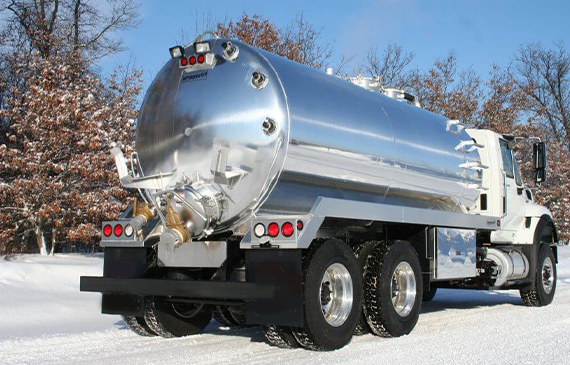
{"points": [[40, 295]]}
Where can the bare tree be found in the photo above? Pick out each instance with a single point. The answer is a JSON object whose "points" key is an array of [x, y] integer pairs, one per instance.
{"points": [[544, 75], [300, 41], [445, 90], [390, 66], [52, 26]]}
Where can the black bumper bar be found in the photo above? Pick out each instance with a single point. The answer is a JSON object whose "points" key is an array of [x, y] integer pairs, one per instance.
{"points": [[179, 288]]}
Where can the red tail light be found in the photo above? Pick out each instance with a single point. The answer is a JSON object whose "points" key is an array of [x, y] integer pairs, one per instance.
{"points": [[192, 60], [184, 61], [201, 58], [107, 230], [300, 225], [287, 229], [118, 230], [273, 230]]}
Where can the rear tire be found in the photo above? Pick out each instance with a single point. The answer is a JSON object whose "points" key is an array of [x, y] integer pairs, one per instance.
{"points": [[544, 287], [138, 326], [362, 253], [224, 317], [392, 289], [428, 295], [280, 336], [176, 320], [333, 296]]}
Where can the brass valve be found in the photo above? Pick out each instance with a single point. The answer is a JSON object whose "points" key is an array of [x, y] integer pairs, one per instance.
{"points": [[175, 223]]}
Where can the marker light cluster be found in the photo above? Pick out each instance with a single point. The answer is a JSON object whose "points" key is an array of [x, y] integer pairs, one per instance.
{"points": [[118, 230], [287, 229]]}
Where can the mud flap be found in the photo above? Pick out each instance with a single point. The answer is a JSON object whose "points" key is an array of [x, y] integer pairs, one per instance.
{"points": [[284, 269]]}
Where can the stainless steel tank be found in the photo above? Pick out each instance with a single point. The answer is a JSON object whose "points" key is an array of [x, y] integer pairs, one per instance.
{"points": [[305, 134]]}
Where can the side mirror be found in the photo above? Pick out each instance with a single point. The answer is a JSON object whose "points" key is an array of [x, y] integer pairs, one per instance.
{"points": [[539, 160]]}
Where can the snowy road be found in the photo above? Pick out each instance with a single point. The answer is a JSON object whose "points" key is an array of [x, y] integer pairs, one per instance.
{"points": [[41, 319]]}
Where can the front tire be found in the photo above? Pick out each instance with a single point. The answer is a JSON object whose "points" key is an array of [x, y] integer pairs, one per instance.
{"points": [[333, 296], [392, 289], [544, 288], [169, 320]]}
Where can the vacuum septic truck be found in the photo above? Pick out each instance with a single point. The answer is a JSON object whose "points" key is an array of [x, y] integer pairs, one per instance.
{"points": [[274, 194]]}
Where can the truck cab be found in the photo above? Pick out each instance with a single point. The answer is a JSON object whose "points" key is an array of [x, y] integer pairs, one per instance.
{"points": [[503, 191]]}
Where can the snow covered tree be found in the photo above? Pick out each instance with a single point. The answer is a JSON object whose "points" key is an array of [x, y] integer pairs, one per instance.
{"points": [[58, 181]]}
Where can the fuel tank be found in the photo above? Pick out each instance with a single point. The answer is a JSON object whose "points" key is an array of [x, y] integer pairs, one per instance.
{"points": [[275, 146]]}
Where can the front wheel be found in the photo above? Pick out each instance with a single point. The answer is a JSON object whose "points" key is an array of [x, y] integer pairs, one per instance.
{"points": [[544, 287]]}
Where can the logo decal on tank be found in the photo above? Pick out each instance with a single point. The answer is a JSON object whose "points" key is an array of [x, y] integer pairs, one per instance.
{"points": [[194, 76]]}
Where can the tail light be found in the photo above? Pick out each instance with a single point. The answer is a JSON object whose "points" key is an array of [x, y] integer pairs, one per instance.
{"points": [[201, 58], [183, 61], [192, 60], [300, 225], [273, 229], [107, 230], [259, 230], [118, 230], [287, 229]]}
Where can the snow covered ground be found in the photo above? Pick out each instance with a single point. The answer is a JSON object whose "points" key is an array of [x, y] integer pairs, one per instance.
{"points": [[44, 319]]}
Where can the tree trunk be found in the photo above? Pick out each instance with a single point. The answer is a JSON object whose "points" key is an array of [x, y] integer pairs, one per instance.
{"points": [[52, 250], [40, 237]]}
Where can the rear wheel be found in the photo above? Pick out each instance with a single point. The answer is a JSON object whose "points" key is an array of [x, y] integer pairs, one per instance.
{"points": [[362, 253], [223, 316], [138, 326], [392, 289], [280, 336], [333, 292], [544, 287], [176, 319]]}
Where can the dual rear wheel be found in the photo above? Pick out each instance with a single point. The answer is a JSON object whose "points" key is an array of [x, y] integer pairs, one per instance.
{"points": [[339, 303]]}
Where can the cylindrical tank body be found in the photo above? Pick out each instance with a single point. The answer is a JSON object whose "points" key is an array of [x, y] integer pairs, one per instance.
{"points": [[330, 138]]}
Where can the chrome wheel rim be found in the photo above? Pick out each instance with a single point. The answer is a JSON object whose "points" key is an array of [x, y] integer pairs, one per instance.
{"points": [[547, 275], [403, 289], [336, 294]]}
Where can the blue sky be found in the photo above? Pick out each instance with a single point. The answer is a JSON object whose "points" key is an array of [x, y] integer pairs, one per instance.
{"points": [[479, 32]]}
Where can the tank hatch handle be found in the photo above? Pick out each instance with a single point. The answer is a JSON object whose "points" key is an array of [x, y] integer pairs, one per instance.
{"points": [[157, 181], [454, 126]]}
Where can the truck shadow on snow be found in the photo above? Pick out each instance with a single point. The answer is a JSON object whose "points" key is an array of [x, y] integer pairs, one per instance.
{"points": [[445, 299], [469, 299]]}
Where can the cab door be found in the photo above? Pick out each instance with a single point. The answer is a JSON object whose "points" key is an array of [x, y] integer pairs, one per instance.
{"points": [[513, 195]]}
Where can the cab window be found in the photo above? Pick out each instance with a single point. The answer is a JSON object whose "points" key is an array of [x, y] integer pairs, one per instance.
{"points": [[507, 158], [518, 178]]}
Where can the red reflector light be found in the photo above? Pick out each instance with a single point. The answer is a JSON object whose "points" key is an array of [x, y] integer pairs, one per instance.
{"points": [[273, 230], [287, 229], [300, 225], [184, 61], [201, 58], [107, 230], [192, 60], [118, 230]]}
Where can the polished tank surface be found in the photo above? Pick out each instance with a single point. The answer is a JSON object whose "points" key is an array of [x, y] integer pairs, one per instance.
{"points": [[329, 138]]}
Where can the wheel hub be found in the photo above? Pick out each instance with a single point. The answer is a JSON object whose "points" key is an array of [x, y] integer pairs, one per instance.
{"points": [[336, 294], [403, 289], [547, 275]]}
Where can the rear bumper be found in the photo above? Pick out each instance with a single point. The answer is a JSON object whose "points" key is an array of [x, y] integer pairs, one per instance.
{"points": [[189, 289]]}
